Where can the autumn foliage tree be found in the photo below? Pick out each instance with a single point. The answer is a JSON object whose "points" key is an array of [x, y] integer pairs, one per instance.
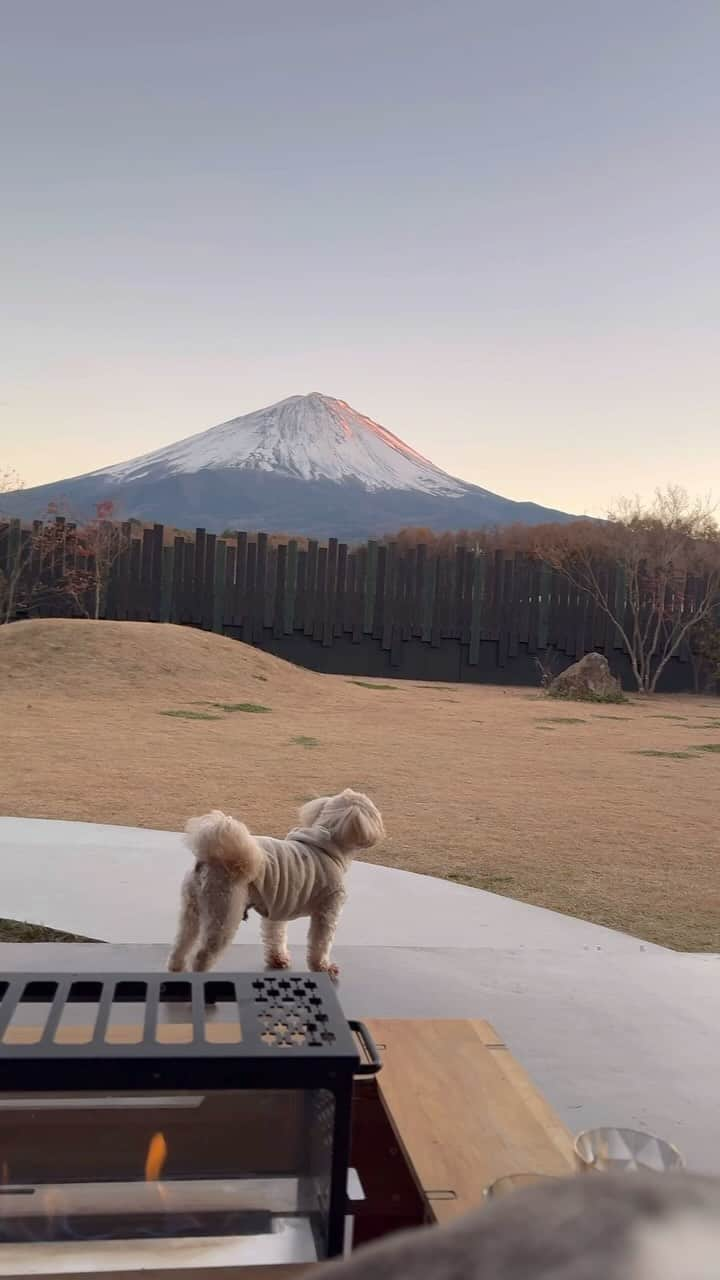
{"points": [[59, 567], [666, 579]]}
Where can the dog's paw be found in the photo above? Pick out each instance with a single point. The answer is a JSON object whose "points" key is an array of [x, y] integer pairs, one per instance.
{"points": [[279, 960]]}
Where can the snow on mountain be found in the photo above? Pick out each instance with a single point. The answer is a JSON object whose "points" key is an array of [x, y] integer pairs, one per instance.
{"points": [[311, 437], [309, 465]]}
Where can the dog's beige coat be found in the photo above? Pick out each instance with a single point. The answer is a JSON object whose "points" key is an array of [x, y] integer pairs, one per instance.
{"points": [[302, 875]]}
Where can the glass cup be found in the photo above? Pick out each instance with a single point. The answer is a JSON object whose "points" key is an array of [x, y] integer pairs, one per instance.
{"points": [[610, 1150]]}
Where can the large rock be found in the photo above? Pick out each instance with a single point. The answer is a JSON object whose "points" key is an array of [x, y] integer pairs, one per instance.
{"points": [[588, 680]]}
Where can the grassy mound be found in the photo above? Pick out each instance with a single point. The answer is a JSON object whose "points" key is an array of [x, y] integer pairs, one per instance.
{"points": [[114, 659]]}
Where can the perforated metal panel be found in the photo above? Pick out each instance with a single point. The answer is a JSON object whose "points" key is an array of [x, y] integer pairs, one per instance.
{"points": [[292, 1013]]}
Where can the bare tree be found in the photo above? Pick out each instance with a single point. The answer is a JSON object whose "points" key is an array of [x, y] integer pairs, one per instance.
{"points": [[666, 558], [9, 480]]}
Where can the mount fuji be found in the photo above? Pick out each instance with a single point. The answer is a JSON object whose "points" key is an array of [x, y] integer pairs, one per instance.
{"points": [[307, 465]]}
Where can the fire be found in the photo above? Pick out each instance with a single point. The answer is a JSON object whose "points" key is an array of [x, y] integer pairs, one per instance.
{"points": [[156, 1157]]}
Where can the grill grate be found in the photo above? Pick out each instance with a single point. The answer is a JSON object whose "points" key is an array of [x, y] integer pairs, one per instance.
{"points": [[291, 1013], [191, 1016]]}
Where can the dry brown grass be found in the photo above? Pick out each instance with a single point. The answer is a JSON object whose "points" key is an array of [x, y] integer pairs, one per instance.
{"points": [[497, 788]]}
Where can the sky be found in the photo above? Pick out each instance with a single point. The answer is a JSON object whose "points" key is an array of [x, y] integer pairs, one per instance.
{"points": [[491, 225]]}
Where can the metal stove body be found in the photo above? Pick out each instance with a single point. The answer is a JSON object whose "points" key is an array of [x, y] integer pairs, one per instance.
{"points": [[145, 1117]]}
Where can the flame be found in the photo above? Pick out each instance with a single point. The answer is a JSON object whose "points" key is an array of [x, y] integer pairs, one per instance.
{"points": [[156, 1157]]}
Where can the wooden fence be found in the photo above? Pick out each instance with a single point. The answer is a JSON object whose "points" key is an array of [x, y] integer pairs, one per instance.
{"points": [[484, 615]]}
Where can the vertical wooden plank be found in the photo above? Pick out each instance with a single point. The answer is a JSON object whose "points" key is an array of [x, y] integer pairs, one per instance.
{"points": [[25, 562], [533, 604], [261, 585], [476, 612], [320, 593], [288, 604], [427, 605], [571, 620], [522, 592], [407, 573], [497, 592], [329, 598], [351, 593], [176, 597], [506, 611], [154, 603], [416, 629], [248, 622], [230, 556], [456, 612], [404, 580], [301, 591], [269, 594], [198, 593], [379, 603], [438, 600], [5, 546], [188, 587], [36, 553], [280, 591], [146, 573], [390, 604], [560, 611], [311, 588], [467, 595], [167, 567], [135, 581], [582, 619], [208, 595], [360, 594], [340, 589], [370, 564], [545, 589], [218, 613], [240, 599]]}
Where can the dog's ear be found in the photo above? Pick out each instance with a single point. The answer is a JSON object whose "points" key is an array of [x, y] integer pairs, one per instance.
{"points": [[311, 811], [360, 827]]}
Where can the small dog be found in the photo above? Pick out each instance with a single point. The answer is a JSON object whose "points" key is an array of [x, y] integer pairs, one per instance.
{"points": [[302, 875]]}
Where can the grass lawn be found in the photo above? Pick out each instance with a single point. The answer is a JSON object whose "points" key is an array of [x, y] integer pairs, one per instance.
{"points": [[608, 814]]}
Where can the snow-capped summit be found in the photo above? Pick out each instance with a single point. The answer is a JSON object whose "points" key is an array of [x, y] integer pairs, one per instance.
{"points": [[308, 465], [313, 437]]}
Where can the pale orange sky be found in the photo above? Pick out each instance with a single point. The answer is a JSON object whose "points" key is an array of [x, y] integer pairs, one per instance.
{"points": [[490, 227]]}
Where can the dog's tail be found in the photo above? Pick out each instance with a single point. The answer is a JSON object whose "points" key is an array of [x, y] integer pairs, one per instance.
{"points": [[222, 840]]}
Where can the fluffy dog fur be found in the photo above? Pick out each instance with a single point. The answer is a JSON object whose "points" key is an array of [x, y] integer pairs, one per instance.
{"points": [[302, 875]]}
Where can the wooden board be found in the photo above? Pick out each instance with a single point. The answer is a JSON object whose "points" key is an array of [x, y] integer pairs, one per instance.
{"points": [[464, 1111]]}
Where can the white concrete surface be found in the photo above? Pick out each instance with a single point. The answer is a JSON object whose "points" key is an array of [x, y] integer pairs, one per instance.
{"points": [[613, 1030], [121, 884], [610, 1038]]}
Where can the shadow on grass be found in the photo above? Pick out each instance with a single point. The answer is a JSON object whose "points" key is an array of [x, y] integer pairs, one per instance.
{"points": [[369, 684], [546, 720]]}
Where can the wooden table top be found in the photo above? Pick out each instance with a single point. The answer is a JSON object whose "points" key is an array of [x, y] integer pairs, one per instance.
{"points": [[464, 1111]]}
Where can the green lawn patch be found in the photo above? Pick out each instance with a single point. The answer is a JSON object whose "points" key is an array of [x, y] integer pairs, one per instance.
{"points": [[24, 931], [190, 715], [252, 708]]}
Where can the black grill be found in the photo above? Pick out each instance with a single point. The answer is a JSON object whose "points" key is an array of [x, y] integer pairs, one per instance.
{"points": [[248, 1076]]}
